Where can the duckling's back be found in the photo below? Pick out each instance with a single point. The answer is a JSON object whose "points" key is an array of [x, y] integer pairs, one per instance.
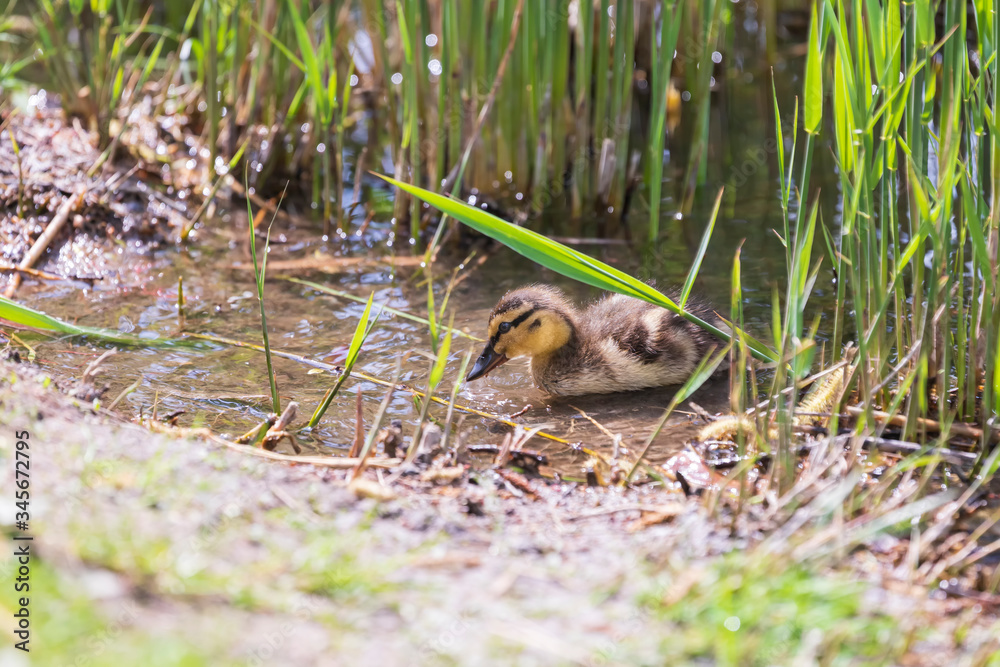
{"points": [[640, 345]]}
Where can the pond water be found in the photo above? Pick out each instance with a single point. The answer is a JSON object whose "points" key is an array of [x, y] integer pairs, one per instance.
{"points": [[226, 388]]}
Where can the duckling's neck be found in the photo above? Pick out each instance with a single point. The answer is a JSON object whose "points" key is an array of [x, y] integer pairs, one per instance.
{"points": [[548, 367]]}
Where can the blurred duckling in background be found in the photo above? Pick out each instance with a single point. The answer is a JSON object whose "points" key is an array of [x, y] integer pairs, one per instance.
{"points": [[616, 344]]}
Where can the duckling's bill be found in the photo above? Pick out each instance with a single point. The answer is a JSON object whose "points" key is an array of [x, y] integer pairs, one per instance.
{"points": [[486, 362]]}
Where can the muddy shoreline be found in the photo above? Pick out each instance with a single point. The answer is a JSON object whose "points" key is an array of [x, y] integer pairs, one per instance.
{"points": [[155, 538]]}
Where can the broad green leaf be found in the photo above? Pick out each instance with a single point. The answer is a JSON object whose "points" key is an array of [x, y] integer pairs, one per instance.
{"points": [[24, 316], [564, 260], [916, 183]]}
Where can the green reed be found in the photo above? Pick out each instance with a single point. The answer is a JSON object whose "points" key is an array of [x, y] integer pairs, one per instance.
{"points": [[663, 50], [361, 333], [114, 55], [260, 272], [561, 130], [913, 246]]}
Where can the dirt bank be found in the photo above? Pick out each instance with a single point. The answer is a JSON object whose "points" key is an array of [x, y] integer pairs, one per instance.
{"points": [[152, 549]]}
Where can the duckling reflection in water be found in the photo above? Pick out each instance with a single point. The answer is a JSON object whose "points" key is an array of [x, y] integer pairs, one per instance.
{"points": [[616, 344]]}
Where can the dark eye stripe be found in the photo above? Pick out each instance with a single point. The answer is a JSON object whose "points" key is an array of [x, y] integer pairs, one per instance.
{"points": [[513, 324]]}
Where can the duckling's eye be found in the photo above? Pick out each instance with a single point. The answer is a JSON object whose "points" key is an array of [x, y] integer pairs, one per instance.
{"points": [[504, 327]]}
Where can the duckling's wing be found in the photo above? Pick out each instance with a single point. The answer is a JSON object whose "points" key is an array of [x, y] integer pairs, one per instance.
{"points": [[644, 333]]}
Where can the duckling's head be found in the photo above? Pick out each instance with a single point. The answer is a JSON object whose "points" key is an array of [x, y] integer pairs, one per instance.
{"points": [[531, 321]]}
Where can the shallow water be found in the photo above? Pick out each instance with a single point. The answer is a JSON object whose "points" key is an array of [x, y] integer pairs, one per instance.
{"points": [[226, 388]]}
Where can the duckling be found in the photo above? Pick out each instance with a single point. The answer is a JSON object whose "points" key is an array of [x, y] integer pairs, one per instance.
{"points": [[616, 344]]}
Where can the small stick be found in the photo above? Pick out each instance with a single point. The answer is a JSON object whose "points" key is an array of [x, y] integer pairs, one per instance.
{"points": [[504, 451], [521, 411], [927, 424], [45, 275], [51, 230], [701, 412], [335, 462], [279, 430], [286, 417], [631, 507], [88, 375], [253, 435], [902, 446], [369, 216], [596, 423], [800, 385], [518, 481]]}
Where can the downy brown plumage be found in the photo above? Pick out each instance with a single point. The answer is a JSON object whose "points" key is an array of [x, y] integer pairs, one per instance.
{"points": [[616, 344]]}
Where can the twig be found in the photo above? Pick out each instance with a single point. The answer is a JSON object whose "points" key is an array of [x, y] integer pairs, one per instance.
{"points": [[800, 385], [334, 462], [280, 430], [521, 411], [518, 481], [501, 458], [45, 275], [927, 424], [614, 438], [95, 365], [51, 230], [631, 507]]}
